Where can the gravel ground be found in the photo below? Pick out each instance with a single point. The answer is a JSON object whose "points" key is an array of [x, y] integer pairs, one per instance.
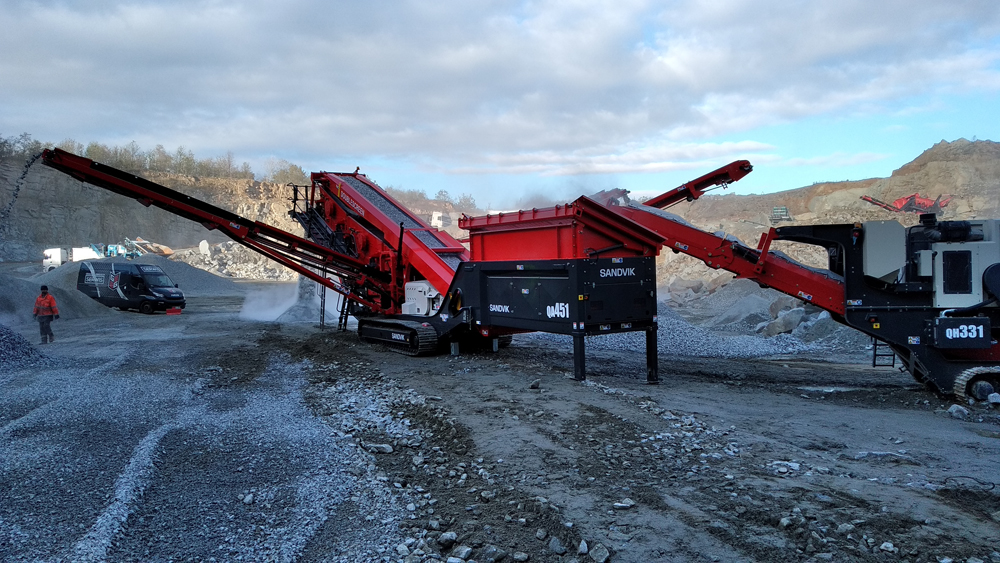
{"points": [[164, 452], [207, 436]]}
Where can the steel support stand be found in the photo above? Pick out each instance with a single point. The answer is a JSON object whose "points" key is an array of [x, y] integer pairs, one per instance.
{"points": [[579, 360], [652, 357], [322, 304]]}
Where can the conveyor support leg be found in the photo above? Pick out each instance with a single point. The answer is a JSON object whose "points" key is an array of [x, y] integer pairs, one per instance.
{"points": [[579, 360], [652, 361]]}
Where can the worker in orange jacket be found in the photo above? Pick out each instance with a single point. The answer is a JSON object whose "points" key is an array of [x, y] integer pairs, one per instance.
{"points": [[45, 311]]}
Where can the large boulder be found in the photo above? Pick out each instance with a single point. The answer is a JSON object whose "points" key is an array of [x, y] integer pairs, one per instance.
{"points": [[781, 304], [785, 323]]}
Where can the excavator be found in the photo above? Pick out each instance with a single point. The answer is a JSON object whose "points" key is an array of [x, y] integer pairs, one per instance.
{"points": [[913, 203], [585, 268]]}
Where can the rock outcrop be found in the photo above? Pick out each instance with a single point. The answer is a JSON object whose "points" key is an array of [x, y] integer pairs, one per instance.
{"points": [[53, 209]]}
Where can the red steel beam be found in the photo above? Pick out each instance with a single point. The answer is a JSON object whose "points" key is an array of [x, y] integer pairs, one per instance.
{"points": [[694, 189], [820, 288]]}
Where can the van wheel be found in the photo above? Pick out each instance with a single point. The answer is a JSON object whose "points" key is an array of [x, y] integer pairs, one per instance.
{"points": [[146, 308]]}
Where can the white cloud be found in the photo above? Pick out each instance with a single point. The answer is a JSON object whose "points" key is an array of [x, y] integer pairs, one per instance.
{"points": [[549, 88]]}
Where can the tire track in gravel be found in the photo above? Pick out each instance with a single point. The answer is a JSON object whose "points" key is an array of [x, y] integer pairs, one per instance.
{"points": [[128, 487]]}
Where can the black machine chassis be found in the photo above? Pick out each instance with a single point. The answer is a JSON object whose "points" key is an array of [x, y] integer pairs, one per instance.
{"points": [[580, 298], [901, 315]]}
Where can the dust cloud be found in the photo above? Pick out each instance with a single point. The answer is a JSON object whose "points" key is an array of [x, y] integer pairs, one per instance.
{"points": [[290, 302], [270, 303]]}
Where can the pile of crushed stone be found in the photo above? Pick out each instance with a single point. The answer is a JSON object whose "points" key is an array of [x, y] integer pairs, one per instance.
{"points": [[230, 259], [16, 352], [727, 324], [191, 280], [677, 337], [18, 299], [742, 307]]}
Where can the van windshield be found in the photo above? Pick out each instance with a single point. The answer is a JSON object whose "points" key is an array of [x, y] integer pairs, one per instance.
{"points": [[157, 280]]}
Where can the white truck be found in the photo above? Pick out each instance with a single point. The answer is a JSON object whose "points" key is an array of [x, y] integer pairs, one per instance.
{"points": [[52, 258]]}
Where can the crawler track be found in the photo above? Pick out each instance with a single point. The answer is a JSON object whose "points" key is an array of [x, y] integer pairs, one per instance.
{"points": [[405, 337]]}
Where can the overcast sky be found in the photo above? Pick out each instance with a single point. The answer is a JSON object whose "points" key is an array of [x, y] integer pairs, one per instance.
{"points": [[502, 99]]}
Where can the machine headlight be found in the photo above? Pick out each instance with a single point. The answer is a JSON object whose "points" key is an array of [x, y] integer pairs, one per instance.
{"points": [[157, 294]]}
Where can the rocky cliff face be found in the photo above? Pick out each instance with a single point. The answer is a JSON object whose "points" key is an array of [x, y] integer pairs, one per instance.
{"points": [[55, 210]]}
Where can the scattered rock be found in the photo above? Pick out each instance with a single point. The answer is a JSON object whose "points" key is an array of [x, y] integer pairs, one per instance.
{"points": [[535, 384], [556, 546], [959, 412], [599, 553], [541, 534], [520, 556], [491, 554], [625, 504], [447, 539], [462, 552], [380, 448], [582, 549], [994, 398]]}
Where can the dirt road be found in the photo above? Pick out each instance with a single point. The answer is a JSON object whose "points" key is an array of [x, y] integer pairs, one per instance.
{"points": [[200, 436]]}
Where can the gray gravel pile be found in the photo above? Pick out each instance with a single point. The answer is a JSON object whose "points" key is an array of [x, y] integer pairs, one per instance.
{"points": [[191, 280], [230, 259], [679, 337], [743, 316], [17, 299], [818, 337], [16, 352], [834, 339]]}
